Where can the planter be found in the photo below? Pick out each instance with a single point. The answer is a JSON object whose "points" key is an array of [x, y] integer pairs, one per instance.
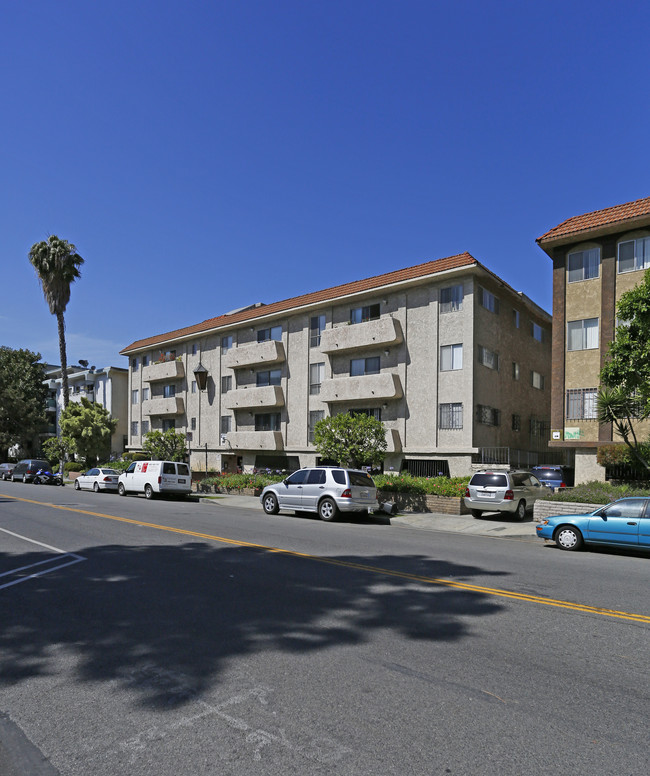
{"points": [[239, 491], [418, 502], [543, 509]]}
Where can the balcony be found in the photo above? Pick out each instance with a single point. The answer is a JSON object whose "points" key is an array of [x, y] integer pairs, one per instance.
{"points": [[166, 370], [254, 440], [381, 387], [163, 406], [270, 352], [250, 398], [381, 333]]}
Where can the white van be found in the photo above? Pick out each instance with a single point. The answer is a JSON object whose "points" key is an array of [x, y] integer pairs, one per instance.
{"points": [[151, 477]]}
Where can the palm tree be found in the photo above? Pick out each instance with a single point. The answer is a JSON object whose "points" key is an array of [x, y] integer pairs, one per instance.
{"points": [[57, 266]]}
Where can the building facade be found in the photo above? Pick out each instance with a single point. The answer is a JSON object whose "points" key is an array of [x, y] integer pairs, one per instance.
{"points": [[107, 386], [451, 359], [596, 258]]}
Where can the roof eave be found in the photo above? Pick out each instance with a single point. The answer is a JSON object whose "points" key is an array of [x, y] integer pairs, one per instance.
{"points": [[589, 233]]}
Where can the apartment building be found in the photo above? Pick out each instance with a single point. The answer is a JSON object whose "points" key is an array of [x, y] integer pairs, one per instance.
{"points": [[448, 356], [107, 386], [596, 258]]}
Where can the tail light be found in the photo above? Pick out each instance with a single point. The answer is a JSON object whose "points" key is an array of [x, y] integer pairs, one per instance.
{"points": [[509, 495], [467, 493], [159, 479], [562, 485], [107, 479], [347, 493]]}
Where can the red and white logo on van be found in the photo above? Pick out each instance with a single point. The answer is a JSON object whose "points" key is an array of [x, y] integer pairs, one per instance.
{"points": [[144, 467]]}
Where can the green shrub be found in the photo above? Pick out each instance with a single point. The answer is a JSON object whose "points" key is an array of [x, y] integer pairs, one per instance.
{"points": [[596, 493], [74, 466], [119, 466], [430, 486]]}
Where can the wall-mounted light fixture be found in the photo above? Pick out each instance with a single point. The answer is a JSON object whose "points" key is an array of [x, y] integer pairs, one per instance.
{"points": [[387, 352], [201, 376]]}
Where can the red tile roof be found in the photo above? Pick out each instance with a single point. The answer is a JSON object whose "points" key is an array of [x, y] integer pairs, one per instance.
{"points": [[378, 281], [599, 218]]}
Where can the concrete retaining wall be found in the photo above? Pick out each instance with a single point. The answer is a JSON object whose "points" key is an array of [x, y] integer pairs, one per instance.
{"points": [[544, 509], [446, 505]]}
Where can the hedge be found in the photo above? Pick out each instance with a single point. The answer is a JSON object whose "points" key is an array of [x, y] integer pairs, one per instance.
{"points": [[596, 493]]}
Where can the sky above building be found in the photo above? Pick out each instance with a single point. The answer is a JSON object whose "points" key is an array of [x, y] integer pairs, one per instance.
{"points": [[203, 156]]}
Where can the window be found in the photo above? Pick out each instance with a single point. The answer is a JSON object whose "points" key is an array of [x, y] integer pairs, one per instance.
{"points": [[364, 366], [272, 333], [134, 364], [361, 314], [169, 425], [516, 422], [166, 355], [145, 394], [372, 412], [515, 370], [145, 427], [451, 299], [539, 428], [634, 254], [316, 374], [584, 265], [515, 318], [226, 343], [267, 421], [316, 326], [193, 424], [488, 300], [194, 349], [488, 416], [225, 425], [582, 335], [450, 415], [451, 357], [314, 417], [193, 386], [134, 428], [536, 331], [134, 397], [145, 360], [169, 391], [581, 404], [537, 380], [488, 357], [269, 377], [226, 383]]}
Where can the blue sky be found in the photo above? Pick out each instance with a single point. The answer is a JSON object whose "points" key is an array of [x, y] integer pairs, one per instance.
{"points": [[207, 155]]}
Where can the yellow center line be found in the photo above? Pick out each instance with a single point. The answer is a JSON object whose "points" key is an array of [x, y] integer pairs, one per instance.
{"points": [[492, 591]]}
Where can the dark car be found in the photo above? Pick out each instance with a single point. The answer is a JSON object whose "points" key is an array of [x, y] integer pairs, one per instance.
{"points": [[5, 470], [553, 476], [27, 468]]}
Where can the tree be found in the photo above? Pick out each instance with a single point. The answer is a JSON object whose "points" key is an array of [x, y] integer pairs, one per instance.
{"points": [[624, 398], [88, 426], [58, 448], [22, 397], [57, 265], [165, 445], [351, 440]]}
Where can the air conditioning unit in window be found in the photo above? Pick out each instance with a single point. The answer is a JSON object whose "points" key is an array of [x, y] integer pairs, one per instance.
{"points": [[223, 439]]}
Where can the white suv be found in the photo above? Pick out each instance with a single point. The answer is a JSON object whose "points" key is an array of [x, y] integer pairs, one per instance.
{"points": [[326, 490], [503, 491]]}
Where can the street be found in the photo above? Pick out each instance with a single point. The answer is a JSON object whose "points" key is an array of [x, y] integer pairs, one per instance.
{"points": [[167, 637]]}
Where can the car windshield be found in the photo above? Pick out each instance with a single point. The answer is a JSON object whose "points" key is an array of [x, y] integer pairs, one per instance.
{"points": [[361, 479], [490, 480], [548, 474], [109, 471]]}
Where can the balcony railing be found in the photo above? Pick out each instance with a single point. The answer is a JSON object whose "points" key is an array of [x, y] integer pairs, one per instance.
{"points": [[165, 370], [269, 352], [363, 388], [160, 405], [254, 440], [381, 333], [249, 398]]}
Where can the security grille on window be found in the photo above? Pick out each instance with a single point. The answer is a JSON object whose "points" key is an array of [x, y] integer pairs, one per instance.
{"points": [[316, 374], [316, 326], [488, 416], [584, 265], [372, 412], [226, 343], [581, 404], [364, 366], [537, 380], [269, 377], [516, 422], [225, 424], [272, 333], [145, 427], [488, 358], [488, 300], [536, 331], [634, 254], [226, 383], [314, 417], [361, 314], [267, 421], [539, 429], [450, 415], [451, 357], [451, 299], [582, 335], [134, 428]]}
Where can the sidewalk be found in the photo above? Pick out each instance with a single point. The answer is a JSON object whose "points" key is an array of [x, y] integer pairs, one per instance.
{"points": [[429, 521]]}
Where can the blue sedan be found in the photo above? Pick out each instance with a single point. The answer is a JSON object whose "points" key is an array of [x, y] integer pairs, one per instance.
{"points": [[623, 523]]}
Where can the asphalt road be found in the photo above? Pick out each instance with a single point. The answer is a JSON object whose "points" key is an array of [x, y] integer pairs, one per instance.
{"points": [[169, 638]]}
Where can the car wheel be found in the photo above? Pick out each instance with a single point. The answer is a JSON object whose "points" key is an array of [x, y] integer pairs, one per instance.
{"points": [[568, 538], [148, 491], [476, 513], [521, 510], [77, 486], [96, 487], [270, 504], [327, 510], [121, 489]]}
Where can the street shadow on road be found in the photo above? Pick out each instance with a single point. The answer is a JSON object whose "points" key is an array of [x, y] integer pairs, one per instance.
{"points": [[146, 615]]}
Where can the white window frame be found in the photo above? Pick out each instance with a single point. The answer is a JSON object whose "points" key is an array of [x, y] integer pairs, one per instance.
{"points": [[488, 358], [488, 300], [451, 298], [135, 396], [583, 265], [537, 380], [316, 377], [451, 357], [641, 257], [585, 331]]}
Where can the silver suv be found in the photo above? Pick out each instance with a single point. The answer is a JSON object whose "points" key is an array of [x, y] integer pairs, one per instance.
{"points": [[503, 491], [326, 490]]}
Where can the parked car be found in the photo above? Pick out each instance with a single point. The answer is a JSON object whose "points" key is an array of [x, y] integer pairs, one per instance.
{"points": [[553, 476], [97, 479], [623, 523], [152, 477], [503, 491], [6, 469], [326, 490], [26, 469]]}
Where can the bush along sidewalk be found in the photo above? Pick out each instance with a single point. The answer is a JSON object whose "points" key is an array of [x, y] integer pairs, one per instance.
{"points": [[596, 493]]}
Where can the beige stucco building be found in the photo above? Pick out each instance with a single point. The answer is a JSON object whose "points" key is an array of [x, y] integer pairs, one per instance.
{"points": [[454, 362]]}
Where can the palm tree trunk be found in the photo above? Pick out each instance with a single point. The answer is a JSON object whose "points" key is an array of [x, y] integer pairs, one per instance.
{"points": [[64, 359]]}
